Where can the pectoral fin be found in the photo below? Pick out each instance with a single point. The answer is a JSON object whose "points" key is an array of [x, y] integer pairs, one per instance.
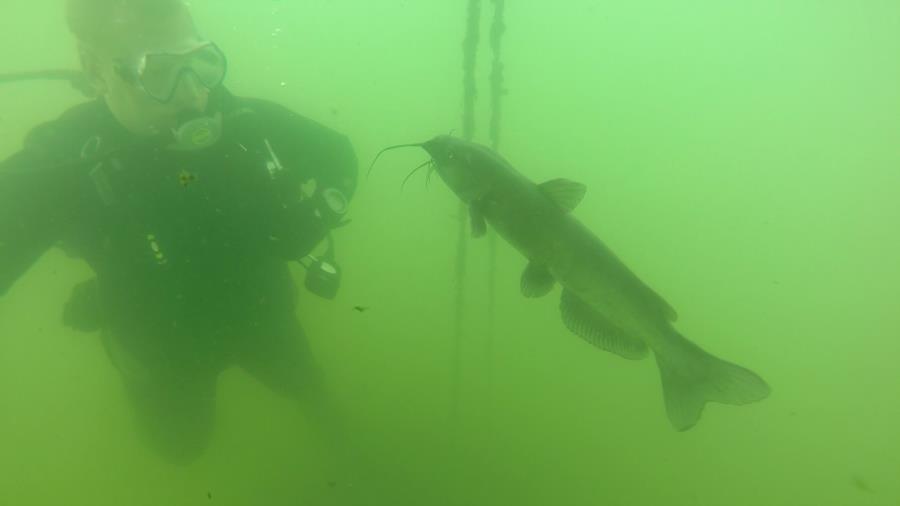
{"points": [[564, 193], [537, 280], [596, 329], [479, 226]]}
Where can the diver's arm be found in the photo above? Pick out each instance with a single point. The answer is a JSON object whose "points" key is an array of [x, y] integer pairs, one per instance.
{"points": [[341, 170], [314, 218], [310, 151], [31, 215]]}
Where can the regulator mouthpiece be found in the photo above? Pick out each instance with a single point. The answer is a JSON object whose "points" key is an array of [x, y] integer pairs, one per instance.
{"points": [[197, 133]]}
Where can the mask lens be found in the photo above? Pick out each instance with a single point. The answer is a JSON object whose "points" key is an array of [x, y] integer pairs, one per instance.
{"points": [[209, 66], [160, 75]]}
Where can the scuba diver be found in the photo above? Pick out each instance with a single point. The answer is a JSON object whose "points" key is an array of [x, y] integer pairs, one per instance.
{"points": [[187, 203]]}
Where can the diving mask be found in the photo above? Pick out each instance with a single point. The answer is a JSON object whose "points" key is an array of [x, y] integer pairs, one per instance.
{"points": [[159, 74]]}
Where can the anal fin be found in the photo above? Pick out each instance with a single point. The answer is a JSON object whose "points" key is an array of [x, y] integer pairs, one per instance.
{"points": [[596, 329]]}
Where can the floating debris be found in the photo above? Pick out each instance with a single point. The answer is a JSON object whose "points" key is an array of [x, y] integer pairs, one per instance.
{"points": [[860, 483]]}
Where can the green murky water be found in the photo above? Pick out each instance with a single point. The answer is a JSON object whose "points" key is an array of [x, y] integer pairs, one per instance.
{"points": [[741, 157]]}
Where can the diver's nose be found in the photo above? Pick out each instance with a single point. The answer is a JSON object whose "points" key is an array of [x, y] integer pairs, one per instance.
{"points": [[191, 93]]}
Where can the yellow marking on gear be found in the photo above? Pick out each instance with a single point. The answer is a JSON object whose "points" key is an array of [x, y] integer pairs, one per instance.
{"points": [[201, 136]]}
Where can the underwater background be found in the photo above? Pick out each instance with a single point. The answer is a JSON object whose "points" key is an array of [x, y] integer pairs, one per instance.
{"points": [[743, 158]]}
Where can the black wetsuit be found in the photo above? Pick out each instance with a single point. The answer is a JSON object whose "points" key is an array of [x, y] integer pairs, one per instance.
{"points": [[190, 249]]}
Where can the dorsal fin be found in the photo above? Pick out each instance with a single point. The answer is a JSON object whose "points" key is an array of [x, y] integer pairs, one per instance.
{"points": [[563, 192]]}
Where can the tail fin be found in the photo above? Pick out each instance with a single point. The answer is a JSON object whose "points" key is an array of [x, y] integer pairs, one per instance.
{"points": [[692, 377]]}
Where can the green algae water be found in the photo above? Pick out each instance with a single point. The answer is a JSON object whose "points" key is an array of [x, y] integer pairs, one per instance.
{"points": [[740, 157]]}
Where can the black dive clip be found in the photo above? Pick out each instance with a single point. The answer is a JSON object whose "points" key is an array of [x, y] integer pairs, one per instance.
{"points": [[323, 274]]}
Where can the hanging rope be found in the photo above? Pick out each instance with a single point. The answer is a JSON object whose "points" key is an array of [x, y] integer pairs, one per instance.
{"points": [[498, 28], [470, 92], [470, 51], [497, 91]]}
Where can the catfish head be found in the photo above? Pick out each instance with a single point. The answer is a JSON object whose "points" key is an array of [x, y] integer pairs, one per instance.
{"points": [[469, 169]]}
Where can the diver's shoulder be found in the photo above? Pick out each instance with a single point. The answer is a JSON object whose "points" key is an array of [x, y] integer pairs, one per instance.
{"points": [[69, 131], [287, 121]]}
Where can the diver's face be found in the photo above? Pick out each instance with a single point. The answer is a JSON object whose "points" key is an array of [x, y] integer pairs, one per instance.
{"points": [[130, 104]]}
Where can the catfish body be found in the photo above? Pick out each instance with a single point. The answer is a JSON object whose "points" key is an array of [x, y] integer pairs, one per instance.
{"points": [[602, 300]]}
